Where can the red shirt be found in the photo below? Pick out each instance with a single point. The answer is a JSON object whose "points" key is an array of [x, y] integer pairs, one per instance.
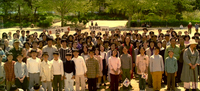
{"points": [[9, 70]]}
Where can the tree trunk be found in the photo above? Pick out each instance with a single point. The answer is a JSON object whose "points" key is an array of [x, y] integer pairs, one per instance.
{"points": [[129, 21], [34, 17], [62, 19]]}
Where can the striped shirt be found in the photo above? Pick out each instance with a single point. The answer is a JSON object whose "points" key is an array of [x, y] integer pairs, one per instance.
{"points": [[63, 52]]}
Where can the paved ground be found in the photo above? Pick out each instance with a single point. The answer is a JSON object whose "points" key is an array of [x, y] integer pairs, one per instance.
{"points": [[112, 25]]}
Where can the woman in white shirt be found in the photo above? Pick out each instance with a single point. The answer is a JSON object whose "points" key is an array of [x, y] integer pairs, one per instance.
{"points": [[142, 63], [114, 64], [105, 66]]}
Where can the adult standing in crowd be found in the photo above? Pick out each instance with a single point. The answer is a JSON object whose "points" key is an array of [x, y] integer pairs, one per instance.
{"points": [[190, 71], [49, 48]]}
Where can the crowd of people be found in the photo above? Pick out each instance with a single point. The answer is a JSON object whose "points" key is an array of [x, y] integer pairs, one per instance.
{"points": [[39, 63]]}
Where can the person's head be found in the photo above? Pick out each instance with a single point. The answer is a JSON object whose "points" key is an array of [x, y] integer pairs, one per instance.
{"points": [[159, 31], [15, 36], [23, 33], [9, 33], [152, 44], [9, 56], [156, 50], [58, 40], [97, 51], [75, 52], [75, 44], [193, 43], [64, 42], [181, 40], [33, 53], [180, 33], [187, 38], [167, 37], [56, 55], [35, 44], [68, 56], [27, 33], [159, 44], [170, 53], [125, 50], [113, 46], [45, 56], [127, 40], [50, 42], [91, 52], [24, 52], [102, 48], [145, 30], [114, 52], [36, 87], [173, 41], [19, 57], [85, 50], [142, 50]]}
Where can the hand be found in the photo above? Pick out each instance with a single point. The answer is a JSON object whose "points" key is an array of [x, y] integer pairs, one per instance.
{"points": [[65, 77], [166, 73], [97, 75], [51, 80], [133, 64], [85, 75], [44, 81], [73, 77], [131, 71], [175, 74]]}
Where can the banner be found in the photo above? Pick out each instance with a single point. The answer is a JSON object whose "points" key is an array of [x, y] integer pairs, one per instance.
{"points": [[99, 28], [59, 30]]}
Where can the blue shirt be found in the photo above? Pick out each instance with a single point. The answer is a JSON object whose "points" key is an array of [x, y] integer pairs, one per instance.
{"points": [[171, 65]]}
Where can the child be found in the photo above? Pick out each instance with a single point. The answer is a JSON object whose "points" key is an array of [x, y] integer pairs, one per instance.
{"points": [[58, 71], [92, 71], [2, 74], [46, 72], [33, 66], [114, 66], [9, 70], [69, 69], [171, 68], [80, 70], [142, 63], [156, 68], [126, 65], [21, 72]]}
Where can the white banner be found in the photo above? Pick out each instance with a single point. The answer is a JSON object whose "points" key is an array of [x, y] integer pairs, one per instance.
{"points": [[59, 30], [99, 28]]}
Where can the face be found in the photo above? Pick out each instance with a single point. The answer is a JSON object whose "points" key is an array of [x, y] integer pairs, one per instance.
{"points": [[102, 48], [156, 51], [193, 45], [34, 54], [127, 40], [159, 45], [45, 57], [16, 44], [97, 52], [20, 58], [68, 57], [55, 56], [75, 54], [50, 43], [173, 42], [91, 54], [64, 44], [9, 57], [142, 50], [171, 54], [152, 44], [125, 50], [114, 52], [113, 46]]}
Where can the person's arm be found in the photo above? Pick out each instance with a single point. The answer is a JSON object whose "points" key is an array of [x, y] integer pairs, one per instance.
{"points": [[162, 64], [133, 55], [176, 66], [101, 61], [186, 59], [166, 64], [28, 67], [130, 63], [74, 68], [51, 71], [166, 53], [39, 53], [61, 68], [6, 70], [97, 67], [151, 65], [119, 64], [42, 72]]}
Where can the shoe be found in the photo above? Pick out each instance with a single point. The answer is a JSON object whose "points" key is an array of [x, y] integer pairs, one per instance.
{"points": [[187, 90], [194, 90]]}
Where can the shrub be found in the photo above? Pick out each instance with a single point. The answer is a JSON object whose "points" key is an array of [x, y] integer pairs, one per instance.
{"points": [[46, 23]]}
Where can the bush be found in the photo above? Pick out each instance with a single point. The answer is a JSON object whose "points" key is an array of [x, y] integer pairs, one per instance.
{"points": [[10, 24], [45, 23], [162, 23], [75, 20]]}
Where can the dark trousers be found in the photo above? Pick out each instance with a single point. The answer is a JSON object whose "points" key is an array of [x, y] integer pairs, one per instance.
{"points": [[171, 81], [23, 85], [57, 80], [142, 83], [114, 83], [180, 67], [92, 84]]}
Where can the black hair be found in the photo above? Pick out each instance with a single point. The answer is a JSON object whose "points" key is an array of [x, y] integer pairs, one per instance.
{"points": [[186, 37], [97, 48], [36, 86], [157, 48], [172, 39], [113, 51]]}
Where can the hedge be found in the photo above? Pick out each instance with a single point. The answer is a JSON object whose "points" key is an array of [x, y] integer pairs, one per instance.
{"points": [[162, 23]]}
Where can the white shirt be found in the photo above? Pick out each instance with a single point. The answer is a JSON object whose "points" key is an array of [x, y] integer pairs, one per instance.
{"points": [[58, 67], [142, 63], [46, 71], [80, 65], [33, 65], [114, 63]]}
